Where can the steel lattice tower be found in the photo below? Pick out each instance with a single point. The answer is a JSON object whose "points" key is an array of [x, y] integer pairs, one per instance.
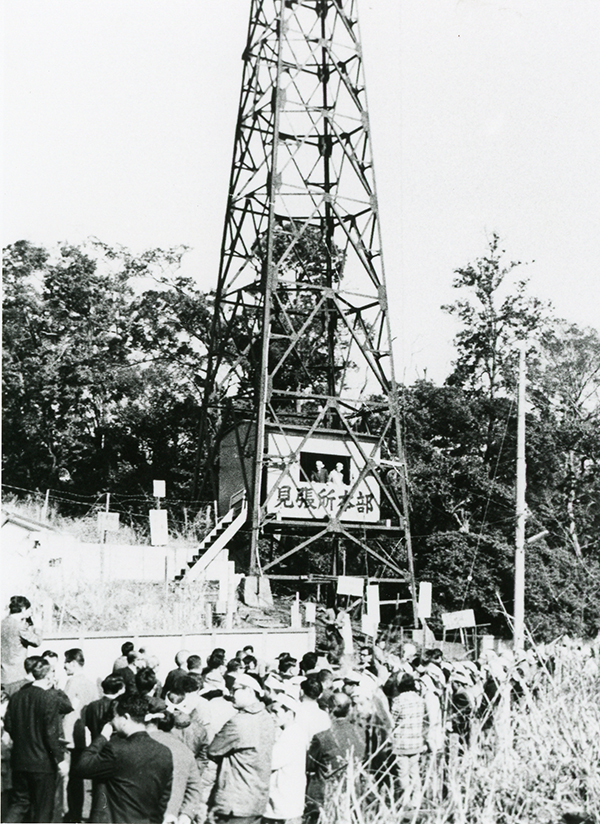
{"points": [[301, 329]]}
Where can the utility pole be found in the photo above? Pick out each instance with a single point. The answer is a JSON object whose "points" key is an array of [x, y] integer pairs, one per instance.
{"points": [[519, 605]]}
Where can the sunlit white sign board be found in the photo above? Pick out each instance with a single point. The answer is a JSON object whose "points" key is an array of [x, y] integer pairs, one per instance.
{"points": [[316, 478], [459, 620], [159, 527]]}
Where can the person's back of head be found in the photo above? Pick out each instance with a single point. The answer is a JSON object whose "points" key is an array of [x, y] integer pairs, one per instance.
{"points": [[75, 655], [127, 647], [340, 705], [135, 706], [18, 603], [165, 721], [216, 659], [153, 662], [286, 664], [132, 657], [235, 665], [145, 680], [194, 662], [181, 657], [32, 660], [312, 688], [407, 683], [112, 685], [40, 668], [433, 656], [187, 684], [308, 661]]}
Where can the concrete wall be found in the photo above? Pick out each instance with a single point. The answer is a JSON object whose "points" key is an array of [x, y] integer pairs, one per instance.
{"points": [[101, 649], [57, 560], [62, 561]]}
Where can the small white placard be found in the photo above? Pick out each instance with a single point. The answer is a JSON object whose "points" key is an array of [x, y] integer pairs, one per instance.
{"points": [[373, 602], [459, 620], [296, 618], [159, 528], [348, 585], [424, 605], [159, 489], [310, 613], [368, 625]]}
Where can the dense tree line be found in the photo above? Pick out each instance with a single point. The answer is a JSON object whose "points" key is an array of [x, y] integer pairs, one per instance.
{"points": [[104, 358]]}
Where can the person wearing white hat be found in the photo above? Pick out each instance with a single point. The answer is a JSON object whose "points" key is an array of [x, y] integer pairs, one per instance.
{"points": [[288, 768], [243, 750]]}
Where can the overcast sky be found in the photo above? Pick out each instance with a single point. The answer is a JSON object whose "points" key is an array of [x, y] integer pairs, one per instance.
{"points": [[119, 119]]}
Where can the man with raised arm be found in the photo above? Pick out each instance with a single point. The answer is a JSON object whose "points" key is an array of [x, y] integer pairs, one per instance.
{"points": [[136, 770]]}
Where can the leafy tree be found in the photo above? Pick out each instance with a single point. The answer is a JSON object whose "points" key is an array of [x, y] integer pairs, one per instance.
{"points": [[102, 378], [566, 391], [462, 513], [492, 322]]}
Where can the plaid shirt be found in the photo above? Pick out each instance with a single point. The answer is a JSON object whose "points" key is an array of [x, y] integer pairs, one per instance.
{"points": [[408, 710]]}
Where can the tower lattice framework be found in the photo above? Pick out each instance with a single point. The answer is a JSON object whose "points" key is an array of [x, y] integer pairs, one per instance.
{"points": [[301, 329]]}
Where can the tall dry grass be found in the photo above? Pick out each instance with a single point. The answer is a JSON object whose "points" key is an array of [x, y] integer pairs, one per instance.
{"points": [[537, 762]]}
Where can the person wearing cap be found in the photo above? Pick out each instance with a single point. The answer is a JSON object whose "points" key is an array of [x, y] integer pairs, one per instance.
{"points": [[288, 766], [286, 679], [432, 692], [215, 709], [461, 702], [243, 750]]}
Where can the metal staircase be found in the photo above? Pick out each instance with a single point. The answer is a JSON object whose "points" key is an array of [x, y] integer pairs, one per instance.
{"points": [[216, 540]]}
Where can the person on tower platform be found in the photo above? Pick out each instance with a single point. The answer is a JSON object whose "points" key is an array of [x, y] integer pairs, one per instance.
{"points": [[320, 474]]}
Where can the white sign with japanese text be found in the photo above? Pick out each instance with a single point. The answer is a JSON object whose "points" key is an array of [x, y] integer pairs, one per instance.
{"points": [[319, 478]]}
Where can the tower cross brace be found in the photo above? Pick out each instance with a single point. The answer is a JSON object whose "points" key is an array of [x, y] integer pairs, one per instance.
{"points": [[300, 356]]}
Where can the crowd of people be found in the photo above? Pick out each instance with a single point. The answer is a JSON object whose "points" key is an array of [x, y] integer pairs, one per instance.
{"points": [[230, 738]]}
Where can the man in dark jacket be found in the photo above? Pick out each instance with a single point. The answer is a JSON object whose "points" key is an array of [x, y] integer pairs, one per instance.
{"points": [[97, 713], [329, 754], [135, 662], [95, 716], [137, 771], [174, 677], [33, 722]]}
